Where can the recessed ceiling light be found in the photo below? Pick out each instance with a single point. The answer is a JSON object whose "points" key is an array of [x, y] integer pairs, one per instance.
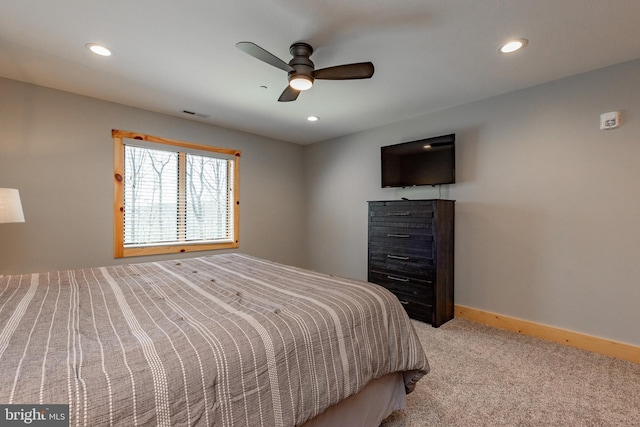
{"points": [[513, 45], [313, 118], [98, 49]]}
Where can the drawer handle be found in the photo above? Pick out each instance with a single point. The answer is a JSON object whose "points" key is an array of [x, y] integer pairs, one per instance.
{"points": [[398, 213], [399, 279], [401, 236], [404, 302], [403, 258]]}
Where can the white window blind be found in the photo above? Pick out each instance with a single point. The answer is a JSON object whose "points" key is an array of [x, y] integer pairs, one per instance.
{"points": [[176, 197], [208, 204]]}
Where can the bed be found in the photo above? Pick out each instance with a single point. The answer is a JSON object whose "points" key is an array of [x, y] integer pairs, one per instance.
{"points": [[218, 340]]}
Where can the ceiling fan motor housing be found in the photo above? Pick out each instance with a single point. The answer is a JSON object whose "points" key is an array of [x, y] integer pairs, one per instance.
{"points": [[301, 64]]}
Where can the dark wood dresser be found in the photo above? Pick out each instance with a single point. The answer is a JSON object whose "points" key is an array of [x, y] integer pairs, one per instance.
{"points": [[411, 254]]}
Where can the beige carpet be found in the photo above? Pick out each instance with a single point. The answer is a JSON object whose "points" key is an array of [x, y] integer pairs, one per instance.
{"points": [[482, 376]]}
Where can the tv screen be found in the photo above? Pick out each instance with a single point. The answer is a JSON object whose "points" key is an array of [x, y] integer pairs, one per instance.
{"points": [[430, 161]]}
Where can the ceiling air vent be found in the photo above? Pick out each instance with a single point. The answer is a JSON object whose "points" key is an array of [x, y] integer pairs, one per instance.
{"points": [[191, 113]]}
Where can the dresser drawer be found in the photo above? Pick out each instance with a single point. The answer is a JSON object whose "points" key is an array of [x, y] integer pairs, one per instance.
{"points": [[400, 250], [408, 262], [417, 226], [402, 214], [401, 236], [421, 286], [420, 274], [416, 296], [402, 209], [421, 312]]}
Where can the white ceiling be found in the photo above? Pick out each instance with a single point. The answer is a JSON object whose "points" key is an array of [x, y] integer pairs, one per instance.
{"points": [[171, 55]]}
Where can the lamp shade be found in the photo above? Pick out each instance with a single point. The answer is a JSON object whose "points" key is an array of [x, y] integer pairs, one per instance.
{"points": [[10, 206]]}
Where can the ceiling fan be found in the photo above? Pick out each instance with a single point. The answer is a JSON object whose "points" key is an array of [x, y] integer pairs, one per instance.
{"points": [[301, 69]]}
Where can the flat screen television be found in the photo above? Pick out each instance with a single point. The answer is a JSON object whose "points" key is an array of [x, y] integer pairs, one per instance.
{"points": [[430, 161]]}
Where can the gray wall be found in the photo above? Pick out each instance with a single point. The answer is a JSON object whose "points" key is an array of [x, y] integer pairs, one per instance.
{"points": [[548, 205], [56, 148]]}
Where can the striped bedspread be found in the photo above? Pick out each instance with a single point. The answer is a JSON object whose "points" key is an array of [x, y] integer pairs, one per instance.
{"points": [[223, 340]]}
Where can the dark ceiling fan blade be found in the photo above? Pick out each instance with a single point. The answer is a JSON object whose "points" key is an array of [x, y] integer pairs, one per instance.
{"points": [[289, 94], [264, 56], [361, 70]]}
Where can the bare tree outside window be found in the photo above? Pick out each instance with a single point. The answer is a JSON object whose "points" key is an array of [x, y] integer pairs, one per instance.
{"points": [[207, 198], [151, 187]]}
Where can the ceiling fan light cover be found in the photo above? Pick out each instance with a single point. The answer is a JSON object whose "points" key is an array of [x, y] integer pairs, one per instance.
{"points": [[301, 83]]}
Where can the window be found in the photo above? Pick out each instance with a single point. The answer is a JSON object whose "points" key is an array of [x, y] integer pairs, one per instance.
{"points": [[173, 196]]}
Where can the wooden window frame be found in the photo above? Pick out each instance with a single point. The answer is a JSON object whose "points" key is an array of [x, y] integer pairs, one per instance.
{"points": [[120, 251]]}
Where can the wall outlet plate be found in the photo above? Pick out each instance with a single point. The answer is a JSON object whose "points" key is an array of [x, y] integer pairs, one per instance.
{"points": [[610, 120]]}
